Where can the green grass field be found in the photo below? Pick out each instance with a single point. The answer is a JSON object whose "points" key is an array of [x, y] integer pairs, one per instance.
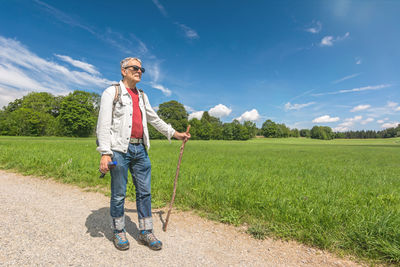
{"points": [[340, 195]]}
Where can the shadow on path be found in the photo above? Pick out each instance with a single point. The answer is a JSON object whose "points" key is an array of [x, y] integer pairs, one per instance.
{"points": [[98, 223]]}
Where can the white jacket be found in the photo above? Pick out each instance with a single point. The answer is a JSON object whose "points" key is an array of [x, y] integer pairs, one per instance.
{"points": [[113, 132]]}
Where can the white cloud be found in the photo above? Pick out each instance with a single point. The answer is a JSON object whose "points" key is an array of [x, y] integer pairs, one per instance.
{"points": [[389, 109], [346, 78], [300, 95], [63, 16], [340, 129], [366, 121], [392, 104], [325, 118], [153, 69], [12, 76], [197, 115], [289, 106], [350, 121], [382, 120], [161, 8], [365, 88], [189, 32], [220, 111], [346, 124], [117, 40], [24, 71], [189, 109], [10, 94], [340, 38], [315, 27], [329, 40], [251, 115], [128, 44], [360, 107], [356, 118], [358, 61], [390, 124], [79, 64], [160, 87]]}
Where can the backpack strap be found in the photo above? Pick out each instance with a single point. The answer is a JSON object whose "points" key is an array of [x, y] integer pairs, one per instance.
{"points": [[142, 95], [141, 92], [117, 97]]}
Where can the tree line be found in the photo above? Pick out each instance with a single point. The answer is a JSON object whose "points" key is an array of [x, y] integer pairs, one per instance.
{"points": [[42, 114], [207, 128], [387, 133]]}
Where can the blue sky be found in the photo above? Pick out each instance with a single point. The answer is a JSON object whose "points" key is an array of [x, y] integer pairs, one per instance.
{"points": [[302, 63]]}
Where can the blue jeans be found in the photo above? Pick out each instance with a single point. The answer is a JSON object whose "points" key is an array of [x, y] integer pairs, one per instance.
{"points": [[137, 161]]}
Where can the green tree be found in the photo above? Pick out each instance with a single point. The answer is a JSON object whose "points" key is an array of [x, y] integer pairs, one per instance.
{"points": [[294, 133], [270, 129], [239, 131], [328, 132], [251, 128], [195, 126], [204, 131], [174, 113], [243, 133], [215, 126], [29, 122], [77, 114], [153, 133], [283, 131], [316, 133], [33, 114], [12, 106], [305, 133], [227, 131], [42, 102], [322, 132]]}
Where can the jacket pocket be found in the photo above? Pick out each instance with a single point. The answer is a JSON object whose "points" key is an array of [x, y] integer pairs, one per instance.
{"points": [[119, 109]]}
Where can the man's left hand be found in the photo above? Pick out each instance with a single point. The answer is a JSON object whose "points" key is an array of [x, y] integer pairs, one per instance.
{"points": [[181, 136]]}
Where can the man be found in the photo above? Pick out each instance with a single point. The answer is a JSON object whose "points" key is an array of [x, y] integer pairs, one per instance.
{"points": [[123, 137]]}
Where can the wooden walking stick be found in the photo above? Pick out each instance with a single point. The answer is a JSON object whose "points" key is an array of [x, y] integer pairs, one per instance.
{"points": [[176, 181]]}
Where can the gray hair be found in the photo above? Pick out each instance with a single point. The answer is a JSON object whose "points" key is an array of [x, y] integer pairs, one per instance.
{"points": [[125, 61]]}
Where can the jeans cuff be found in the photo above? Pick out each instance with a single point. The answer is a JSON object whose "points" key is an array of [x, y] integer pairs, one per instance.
{"points": [[118, 223], [146, 223]]}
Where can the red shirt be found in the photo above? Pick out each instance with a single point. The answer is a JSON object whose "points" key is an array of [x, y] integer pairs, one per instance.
{"points": [[137, 126]]}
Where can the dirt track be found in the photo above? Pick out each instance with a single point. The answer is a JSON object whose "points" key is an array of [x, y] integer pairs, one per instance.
{"points": [[47, 223]]}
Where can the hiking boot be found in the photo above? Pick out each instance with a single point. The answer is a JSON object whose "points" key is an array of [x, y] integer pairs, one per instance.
{"points": [[120, 240], [148, 238]]}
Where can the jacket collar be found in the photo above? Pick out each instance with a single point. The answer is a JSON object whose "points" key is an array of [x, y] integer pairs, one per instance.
{"points": [[124, 91], [123, 88]]}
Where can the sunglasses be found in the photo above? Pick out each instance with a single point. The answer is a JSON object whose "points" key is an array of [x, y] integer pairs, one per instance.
{"points": [[136, 68]]}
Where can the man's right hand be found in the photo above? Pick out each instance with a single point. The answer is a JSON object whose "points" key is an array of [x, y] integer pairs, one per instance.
{"points": [[105, 159]]}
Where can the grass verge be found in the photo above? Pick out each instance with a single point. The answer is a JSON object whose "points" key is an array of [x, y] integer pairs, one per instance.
{"points": [[339, 195]]}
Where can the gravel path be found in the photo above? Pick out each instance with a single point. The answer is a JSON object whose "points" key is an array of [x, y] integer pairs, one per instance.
{"points": [[47, 223]]}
